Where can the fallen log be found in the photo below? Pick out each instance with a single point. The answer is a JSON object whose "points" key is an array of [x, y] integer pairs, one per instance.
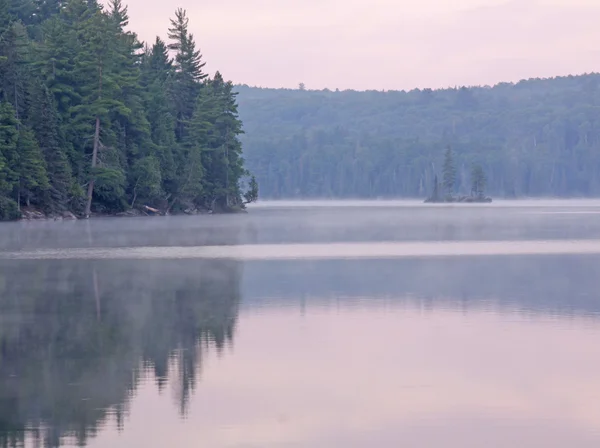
{"points": [[150, 209]]}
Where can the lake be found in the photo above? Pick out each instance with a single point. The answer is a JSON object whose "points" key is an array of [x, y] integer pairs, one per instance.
{"points": [[305, 324]]}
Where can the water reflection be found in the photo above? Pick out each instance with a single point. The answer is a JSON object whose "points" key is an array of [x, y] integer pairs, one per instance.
{"points": [[77, 337], [564, 285], [81, 342], [466, 351]]}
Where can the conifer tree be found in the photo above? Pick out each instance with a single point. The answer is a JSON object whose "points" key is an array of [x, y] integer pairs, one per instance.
{"points": [[30, 169], [156, 76], [46, 125], [90, 121], [252, 194], [449, 172], [478, 181], [188, 72], [15, 67], [9, 136]]}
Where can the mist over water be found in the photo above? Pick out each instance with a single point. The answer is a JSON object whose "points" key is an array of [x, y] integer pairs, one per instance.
{"points": [[263, 330]]}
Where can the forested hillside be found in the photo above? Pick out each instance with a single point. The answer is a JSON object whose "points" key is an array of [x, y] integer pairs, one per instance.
{"points": [[533, 138], [92, 120]]}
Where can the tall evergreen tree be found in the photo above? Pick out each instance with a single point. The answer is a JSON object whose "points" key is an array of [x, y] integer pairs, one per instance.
{"points": [[15, 67], [214, 130], [46, 125], [188, 73], [156, 77], [45, 9], [30, 169], [9, 136], [92, 122], [449, 171], [478, 181]]}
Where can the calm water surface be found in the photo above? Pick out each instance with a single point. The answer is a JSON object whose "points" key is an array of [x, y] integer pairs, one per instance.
{"points": [[305, 325]]}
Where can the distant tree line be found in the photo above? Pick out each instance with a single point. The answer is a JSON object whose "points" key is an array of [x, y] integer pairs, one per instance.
{"points": [[92, 120], [539, 137]]}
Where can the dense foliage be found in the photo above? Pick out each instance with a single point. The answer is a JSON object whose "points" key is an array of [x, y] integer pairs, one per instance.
{"points": [[539, 137], [91, 120]]}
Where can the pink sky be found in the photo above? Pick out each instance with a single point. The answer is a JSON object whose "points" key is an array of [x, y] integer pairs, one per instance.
{"points": [[384, 44]]}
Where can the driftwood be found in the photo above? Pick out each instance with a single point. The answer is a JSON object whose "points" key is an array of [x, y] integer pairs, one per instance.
{"points": [[151, 209]]}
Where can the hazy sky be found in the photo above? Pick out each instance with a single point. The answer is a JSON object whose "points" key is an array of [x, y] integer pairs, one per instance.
{"points": [[384, 44]]}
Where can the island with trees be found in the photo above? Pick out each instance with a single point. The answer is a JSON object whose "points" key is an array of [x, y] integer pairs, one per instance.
{"points": [[92, 121], [445, 192]]}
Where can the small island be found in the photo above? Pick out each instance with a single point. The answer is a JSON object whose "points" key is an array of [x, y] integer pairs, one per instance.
{"points": [[444, 192]]}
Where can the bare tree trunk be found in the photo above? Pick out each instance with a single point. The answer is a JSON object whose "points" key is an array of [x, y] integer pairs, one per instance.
{"points": [[134, 193], [90, 192]]}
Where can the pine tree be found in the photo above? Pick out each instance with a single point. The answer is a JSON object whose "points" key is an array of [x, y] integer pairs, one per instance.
{"points": [[46, 125], [45, 9], [214, 129], [478, 181], [5, 18], [134, 140], [9, 136], [15, 67], [435, 196], [82, 107], [449, 172], [23, 11], [146, 180], [252, 194], [99, 92], [30, 168], [229, 127], [156, 75], [188, 74]]}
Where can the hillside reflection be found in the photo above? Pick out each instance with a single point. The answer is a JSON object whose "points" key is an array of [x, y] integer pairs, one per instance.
{"points": [[77, 337], [562, 285]]}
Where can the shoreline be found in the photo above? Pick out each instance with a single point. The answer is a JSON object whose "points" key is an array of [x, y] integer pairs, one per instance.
{"points": [[35, 215]]}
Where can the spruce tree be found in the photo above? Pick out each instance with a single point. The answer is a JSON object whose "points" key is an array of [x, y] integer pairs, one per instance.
{"points": [[90, 122], [30, 169], [45, 9], [5, 18], [449, 172], [251, 195], [15, 67], [188, 72], [228, 127], [156, 76], [46, 125], [99, 91], [478, 181], [9, 136]]}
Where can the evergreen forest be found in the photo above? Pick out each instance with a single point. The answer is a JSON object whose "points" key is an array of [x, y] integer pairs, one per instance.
{"points": [[534, 138], [93, 121]]}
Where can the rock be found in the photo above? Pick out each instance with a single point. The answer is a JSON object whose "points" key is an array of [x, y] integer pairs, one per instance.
{"points": [[32, 215], [68, 216]]}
